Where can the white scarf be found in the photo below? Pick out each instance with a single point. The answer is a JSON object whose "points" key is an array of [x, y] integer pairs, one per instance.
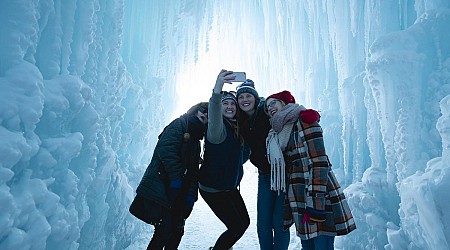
{"points": [[276, 142]]}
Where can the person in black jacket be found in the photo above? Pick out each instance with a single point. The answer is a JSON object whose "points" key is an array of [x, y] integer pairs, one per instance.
{"points": [[254, 126], [222, 169], [167, 192]]}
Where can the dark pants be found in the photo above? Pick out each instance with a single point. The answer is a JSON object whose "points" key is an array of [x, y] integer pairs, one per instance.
{"points": [[168, 234], [230, 208]]}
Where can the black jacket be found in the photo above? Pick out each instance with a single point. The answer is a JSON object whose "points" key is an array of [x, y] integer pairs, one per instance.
{"points": [[173, 158], [254, 130]]}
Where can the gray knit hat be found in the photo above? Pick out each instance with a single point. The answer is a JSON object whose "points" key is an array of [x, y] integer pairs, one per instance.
{"points": [[229, 95], [247, 87]]}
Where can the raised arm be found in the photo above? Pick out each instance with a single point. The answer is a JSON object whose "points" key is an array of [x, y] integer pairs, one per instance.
{"points": [[216, 130]]}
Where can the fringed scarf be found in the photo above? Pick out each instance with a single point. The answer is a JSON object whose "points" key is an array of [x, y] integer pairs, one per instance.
{"points": [[277, 139]]}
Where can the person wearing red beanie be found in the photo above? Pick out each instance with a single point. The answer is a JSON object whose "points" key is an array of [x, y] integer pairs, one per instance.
{"points": [[318, 207]]}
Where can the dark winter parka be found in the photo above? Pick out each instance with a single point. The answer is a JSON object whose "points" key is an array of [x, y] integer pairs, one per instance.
{"points": [[174, 157]]}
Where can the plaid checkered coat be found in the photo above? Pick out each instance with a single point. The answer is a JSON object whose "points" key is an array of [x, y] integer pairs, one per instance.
{"points": [[311, 183]]}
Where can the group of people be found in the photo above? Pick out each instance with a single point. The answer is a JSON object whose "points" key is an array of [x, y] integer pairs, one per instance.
{"points": [[283, 139]]}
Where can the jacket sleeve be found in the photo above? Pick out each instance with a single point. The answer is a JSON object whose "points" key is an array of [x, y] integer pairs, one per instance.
{"points": [[170, 143], [192, 163], [216, 132], [318, 166], [246, 152], [193, 186]]}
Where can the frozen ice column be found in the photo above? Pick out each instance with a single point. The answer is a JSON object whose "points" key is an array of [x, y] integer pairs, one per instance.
{"points": [[443, 126]]}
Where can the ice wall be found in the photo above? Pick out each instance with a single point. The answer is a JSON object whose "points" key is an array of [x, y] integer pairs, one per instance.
{"points": [[62, 87], [87, 85]]}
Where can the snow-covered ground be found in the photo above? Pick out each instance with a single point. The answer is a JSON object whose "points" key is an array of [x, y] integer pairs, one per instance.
{"points": [[203, 228]]}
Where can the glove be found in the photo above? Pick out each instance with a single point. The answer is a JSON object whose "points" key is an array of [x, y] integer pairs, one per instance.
{"points": [[173, 191], [188, 205], [312, 215], [309, 116], [190, 200], [306, 218]]}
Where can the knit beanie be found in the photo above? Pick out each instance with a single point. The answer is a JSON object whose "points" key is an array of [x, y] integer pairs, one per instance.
{"points": [[228, 95], [284, 96], [247, 87]]}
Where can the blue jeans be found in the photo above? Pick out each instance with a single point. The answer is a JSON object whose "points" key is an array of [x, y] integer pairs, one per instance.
{"points": [[322, 242], [269, 222]]}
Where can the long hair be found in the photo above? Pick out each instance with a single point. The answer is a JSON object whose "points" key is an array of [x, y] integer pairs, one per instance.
{"points": [[234, 125]]}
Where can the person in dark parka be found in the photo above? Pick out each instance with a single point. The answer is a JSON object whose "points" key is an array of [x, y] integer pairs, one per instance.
{"points": [[169, 186]]}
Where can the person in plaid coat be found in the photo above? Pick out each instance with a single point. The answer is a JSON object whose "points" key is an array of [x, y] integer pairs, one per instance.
{"points": [[300, 168]]}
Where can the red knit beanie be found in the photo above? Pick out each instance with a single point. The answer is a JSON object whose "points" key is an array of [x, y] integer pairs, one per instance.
{"points": [[284, 96]]}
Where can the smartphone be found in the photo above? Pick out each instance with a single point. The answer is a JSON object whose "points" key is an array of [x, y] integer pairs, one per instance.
{"points": [[240, 77]]}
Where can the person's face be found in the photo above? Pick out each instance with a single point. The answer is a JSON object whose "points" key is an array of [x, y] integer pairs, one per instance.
{"points": [[274, 105], [203, 117], [246, 102], [229, 108]]}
